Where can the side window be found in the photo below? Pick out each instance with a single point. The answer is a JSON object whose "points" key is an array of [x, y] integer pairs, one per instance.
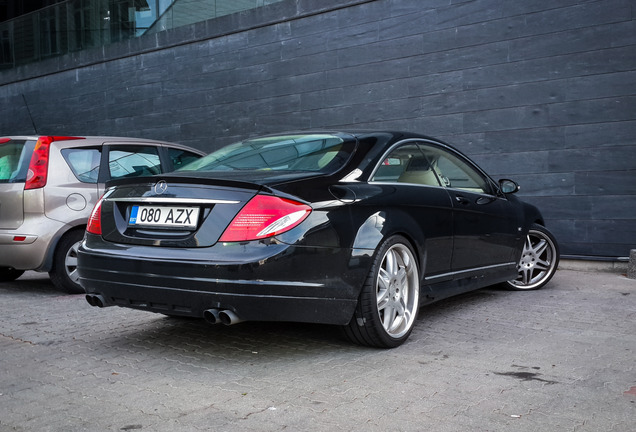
{"points": [[456, 173], [133, 161], [84, 163], [407, 164], [181, 157]]}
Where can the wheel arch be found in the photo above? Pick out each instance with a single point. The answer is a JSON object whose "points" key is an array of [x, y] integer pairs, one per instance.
{"points": [[382, 224], [53, 245], [531, 215]]}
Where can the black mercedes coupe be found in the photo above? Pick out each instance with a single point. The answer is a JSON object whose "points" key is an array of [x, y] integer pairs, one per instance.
{"points": [[356, 229]]}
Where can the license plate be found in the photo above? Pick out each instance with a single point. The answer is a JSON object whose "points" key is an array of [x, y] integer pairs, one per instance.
{"points": [[163, 216]]}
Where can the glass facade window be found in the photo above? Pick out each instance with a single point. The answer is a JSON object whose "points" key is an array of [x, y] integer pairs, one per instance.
{"points": [[75, 25]]}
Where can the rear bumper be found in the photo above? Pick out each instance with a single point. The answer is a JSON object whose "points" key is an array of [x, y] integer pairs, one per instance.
{"points": [[27, 248], [255, 280]]}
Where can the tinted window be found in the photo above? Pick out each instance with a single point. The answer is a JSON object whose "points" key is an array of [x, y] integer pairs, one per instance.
{"points": [[181, 157], [407, 164], [133, 161], [15, 156], [426, 164], [454, 172], [316, 153], [84, 163]]}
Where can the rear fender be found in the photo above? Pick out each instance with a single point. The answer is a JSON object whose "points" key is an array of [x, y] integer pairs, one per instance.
{"points": [[380, 226], [47, 265]]}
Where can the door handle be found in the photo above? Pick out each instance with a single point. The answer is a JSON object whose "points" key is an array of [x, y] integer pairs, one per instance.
{"points": [[461, 199], [485, 200]]}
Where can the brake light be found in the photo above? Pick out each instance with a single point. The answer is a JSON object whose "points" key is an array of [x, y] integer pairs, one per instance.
{"points": [[94, 225], [265, 216], [4, 140], [39, 166]]}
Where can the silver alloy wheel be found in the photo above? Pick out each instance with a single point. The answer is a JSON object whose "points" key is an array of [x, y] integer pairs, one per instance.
{"points": [[538, 261], [397, 290], [70, 262]]}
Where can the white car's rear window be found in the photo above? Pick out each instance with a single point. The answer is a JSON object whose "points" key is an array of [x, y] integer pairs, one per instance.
{"points": [[15, 156]]}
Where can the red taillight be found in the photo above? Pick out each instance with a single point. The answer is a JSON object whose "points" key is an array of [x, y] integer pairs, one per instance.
{"points": [[265, 216], [94, 225], [4, 140], [39, 166]]}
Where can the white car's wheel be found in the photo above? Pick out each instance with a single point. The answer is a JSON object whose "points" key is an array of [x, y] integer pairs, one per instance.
{"points": [[64, 274]]}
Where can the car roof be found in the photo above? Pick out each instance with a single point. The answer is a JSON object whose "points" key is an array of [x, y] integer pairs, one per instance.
{"points": [[104, 139], [394, 135]]}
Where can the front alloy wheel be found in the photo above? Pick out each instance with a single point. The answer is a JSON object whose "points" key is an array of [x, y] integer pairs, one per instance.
{"points": [[389, 300], [539, 260]]}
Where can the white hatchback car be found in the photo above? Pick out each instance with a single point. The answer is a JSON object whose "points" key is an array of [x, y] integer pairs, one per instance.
{"points": [[48, 187]]}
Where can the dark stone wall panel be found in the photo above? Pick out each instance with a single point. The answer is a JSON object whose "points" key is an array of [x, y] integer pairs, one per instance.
{"points": [[601, 134], [575, 65], [614, 183]]}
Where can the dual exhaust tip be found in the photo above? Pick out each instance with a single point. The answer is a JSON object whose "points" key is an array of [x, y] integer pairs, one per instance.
{"points": [[212, 316], [95, 300], [221, 316]]}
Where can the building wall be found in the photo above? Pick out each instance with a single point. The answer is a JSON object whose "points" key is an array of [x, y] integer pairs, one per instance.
{"points": [[542, 91]]}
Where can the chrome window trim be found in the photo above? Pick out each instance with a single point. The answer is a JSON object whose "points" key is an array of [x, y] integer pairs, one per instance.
{"points": [[444, 147]]}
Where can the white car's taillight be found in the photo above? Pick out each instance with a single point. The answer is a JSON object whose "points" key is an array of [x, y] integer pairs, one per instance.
{"points": [[39, 166]]}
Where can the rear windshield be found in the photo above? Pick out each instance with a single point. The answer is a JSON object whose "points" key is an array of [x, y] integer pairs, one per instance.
{"points": [[313, 153], [15, 156]]}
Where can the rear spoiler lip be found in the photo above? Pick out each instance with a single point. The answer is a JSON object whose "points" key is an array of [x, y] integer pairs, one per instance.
{"points": [[186, 180], [266, 184]]}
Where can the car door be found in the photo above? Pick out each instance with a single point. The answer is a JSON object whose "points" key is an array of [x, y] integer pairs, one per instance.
{"points": [[484, 222], [418, 195]]}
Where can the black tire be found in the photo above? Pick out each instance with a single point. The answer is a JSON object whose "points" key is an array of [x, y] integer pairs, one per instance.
{"points": [[389, 300], [8, 274], [539, 260], [64, 273]]}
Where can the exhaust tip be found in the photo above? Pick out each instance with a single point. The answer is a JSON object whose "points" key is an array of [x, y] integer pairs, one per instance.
{"points": [[228, 317], [95, 300], [211, 316]]}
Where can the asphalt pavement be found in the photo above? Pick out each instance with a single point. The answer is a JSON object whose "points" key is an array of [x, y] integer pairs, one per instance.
{"points": [[559, 359]]}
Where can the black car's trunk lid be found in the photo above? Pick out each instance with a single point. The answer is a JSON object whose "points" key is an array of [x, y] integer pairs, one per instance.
{"points": [[173, 211]]}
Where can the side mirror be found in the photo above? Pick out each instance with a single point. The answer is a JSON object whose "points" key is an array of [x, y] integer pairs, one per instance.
{"points": [[508, 186]]}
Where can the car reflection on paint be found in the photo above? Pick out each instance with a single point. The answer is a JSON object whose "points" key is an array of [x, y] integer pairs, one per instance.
{"points": [[353, 229]]}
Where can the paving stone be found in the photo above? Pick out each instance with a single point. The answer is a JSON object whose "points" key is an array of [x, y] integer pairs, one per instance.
{"points": [[561, 358]]}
